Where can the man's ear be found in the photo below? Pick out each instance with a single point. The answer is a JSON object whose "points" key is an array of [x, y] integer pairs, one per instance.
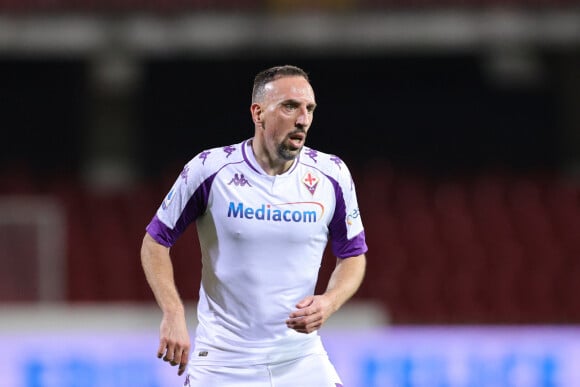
{"points": [[257, 112]]}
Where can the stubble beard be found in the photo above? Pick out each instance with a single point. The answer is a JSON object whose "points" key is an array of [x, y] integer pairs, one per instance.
{"points": [[286, 153]]}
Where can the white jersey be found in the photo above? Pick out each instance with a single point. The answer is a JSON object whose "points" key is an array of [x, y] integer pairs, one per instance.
{"points": [[262, 239]]}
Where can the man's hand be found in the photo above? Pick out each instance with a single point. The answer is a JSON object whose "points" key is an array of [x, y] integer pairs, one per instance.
{"points": [[174, 343], [312, 313]]}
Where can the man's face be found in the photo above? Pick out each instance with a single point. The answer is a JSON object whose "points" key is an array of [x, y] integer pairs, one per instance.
{"points": [[287, 112]]}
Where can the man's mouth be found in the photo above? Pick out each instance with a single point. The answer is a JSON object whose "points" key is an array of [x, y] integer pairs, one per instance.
{"points": [[297, 139]]}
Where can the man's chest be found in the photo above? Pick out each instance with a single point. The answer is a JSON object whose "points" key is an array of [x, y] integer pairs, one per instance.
{"points": [[303, 202]]}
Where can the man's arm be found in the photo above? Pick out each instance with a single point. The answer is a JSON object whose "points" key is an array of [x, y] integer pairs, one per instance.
{"points": [[174, 343], [313, 311]]}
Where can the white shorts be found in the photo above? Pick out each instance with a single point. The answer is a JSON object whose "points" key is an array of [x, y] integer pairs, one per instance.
{"points": [[308, 371]]}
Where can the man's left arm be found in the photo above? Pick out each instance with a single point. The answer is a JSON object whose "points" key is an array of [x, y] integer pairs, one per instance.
{"points": [[313, 311]]}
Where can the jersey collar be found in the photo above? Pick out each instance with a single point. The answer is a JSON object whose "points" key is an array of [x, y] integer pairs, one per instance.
{"points": [[250, 159]]}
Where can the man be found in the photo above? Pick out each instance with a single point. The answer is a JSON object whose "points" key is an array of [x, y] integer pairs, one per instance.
{"points": [[264, 209]]}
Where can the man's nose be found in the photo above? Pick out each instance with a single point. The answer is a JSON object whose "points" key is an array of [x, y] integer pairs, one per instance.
{"points": [[303, 118]]}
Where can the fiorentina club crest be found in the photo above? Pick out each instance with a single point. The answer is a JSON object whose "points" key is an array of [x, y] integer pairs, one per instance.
{"points": [[310, 181]]}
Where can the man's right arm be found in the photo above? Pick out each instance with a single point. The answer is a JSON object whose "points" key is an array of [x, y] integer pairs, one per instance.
{"points": [[174, 343]]}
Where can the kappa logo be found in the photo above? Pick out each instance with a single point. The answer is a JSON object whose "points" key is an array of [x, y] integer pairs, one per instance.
{"points": [[184, 173], [239, 181], [229, 150], [312, 154], [336, 161], [203, 155]]}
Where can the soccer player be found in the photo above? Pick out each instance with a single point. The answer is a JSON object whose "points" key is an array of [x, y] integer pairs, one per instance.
{"points": [[265, 210]]}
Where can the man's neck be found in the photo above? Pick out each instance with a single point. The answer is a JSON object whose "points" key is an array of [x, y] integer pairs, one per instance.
{"points": [[271, 165]]}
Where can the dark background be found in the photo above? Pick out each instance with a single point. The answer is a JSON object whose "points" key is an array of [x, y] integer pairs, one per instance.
{"points": [[465, 157], [439, 113]]}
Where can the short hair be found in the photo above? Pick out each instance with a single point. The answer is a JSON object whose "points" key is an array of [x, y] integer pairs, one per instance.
{"points": [[271, 74]]}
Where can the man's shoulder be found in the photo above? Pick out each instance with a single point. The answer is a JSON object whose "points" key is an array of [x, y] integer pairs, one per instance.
{"points": [[327, 163], [219, 156], [210, 161]]}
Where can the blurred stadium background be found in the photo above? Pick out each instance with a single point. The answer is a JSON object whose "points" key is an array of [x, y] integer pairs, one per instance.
{"points": [[460, 120]]}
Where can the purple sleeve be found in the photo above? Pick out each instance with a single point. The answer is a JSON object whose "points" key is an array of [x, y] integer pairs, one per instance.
{"points": [[342, 246], [350, 247], [161, 233], [195, 207]]}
